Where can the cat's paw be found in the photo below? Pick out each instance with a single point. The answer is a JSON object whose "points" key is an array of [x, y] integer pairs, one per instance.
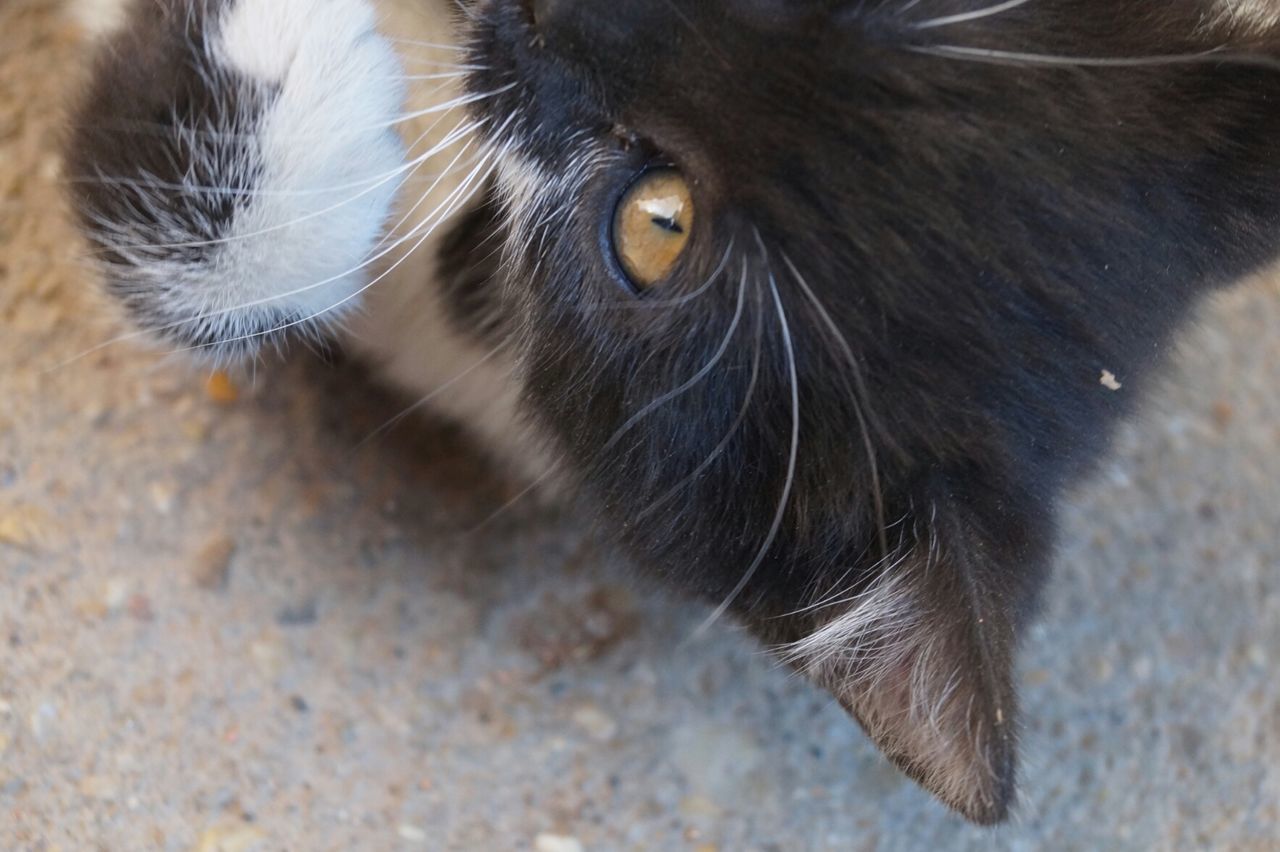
{"points": [[234, 163]]}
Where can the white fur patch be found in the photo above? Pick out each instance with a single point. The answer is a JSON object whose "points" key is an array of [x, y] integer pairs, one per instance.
{"points": [[264, 40], [897, 669], [1248, 17], [875, 632], [328, 153]]}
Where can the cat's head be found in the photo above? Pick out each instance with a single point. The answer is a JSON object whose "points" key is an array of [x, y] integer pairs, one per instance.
{"points": [[823, 303]]}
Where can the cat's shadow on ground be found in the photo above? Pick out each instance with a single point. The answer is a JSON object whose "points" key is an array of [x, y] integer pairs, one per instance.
{"points": [[543, 580]]}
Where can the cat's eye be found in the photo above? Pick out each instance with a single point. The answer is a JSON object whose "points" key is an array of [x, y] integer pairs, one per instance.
{"points": [[651, 226]]}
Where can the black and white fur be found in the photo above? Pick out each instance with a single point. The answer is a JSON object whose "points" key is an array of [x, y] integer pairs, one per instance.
{"points": [[943, 244]]}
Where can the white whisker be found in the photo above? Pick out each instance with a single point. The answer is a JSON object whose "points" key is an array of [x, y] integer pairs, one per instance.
{"points": [[860, 396], [417, 162], [693, 381], [965, 17], [422, 234], [785, 498], [719, 449], [1009, 57], [426, 400], [462, 100]]}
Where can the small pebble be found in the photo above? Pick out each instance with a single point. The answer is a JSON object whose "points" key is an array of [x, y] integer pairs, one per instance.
{"points": [[91, 610], [696, 806], [116, 593], [1143, 668], [268, 655], [412, 833], [23, 527], [140, 608], [162, 497], [231, 837], [597, 724], [97, 787], [43, 721], [1223, 414], [556, 843], [195, 431], [211, 569], [1109, 381]]}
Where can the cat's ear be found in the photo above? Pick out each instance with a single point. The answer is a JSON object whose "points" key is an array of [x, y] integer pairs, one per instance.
{"points": [[922, 657]]}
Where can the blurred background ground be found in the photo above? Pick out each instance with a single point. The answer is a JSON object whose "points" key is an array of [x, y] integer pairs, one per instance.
{"points": [[222, 627]]}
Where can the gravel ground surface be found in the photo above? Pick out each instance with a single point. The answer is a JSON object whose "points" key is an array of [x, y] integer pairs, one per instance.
{"points": [[223, 626]]}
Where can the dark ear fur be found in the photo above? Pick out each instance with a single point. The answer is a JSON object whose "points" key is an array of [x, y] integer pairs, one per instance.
{"points": [[923, 658]]}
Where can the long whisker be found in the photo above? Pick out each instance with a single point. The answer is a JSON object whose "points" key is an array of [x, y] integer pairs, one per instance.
{"points": [[424, 195], [422, 402], [424, 230], [434, 221], [841, 595], [520, 495], [733, 428], [785, 498], [462, 100], [1009, 57], [431, 44], [156, 128], [454, 135], [859, 399], [275, 297], [965, 17], [213, 314], [439, 75], [693, 381]]}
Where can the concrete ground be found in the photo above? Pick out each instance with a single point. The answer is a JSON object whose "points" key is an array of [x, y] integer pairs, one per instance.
{"points": [[222, 626]]}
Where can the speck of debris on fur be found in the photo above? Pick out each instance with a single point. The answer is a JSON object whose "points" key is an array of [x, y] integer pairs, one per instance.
{"points": [[1109, 381]]}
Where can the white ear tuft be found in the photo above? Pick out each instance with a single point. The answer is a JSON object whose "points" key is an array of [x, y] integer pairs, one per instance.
{"points": [[927, 672]]}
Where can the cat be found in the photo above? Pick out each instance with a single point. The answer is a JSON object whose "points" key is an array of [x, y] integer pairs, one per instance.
{"points": [[820, 304]]}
